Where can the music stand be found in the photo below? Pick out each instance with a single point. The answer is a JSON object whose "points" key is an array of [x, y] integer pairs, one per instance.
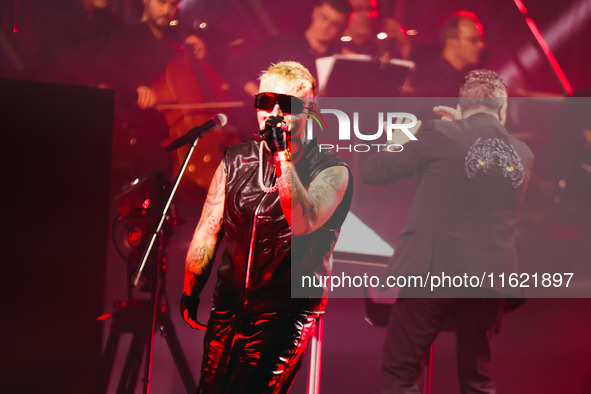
{"points": [[362, 76]]}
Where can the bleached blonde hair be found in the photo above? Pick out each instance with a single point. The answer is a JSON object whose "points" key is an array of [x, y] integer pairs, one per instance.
{"points": [[292, 73]]}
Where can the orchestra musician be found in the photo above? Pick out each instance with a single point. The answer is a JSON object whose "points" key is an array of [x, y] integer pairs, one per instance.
{"points": [[130, 62], [321, 38], [461, 35]]}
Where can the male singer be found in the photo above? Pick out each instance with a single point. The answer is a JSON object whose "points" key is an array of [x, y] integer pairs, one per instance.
{"points": [[280, 202]]}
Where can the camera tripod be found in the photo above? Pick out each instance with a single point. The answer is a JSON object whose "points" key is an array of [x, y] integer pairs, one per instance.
{"points": [[141, 318]]}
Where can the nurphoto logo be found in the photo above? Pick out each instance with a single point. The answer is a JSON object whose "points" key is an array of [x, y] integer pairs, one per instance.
{"points": [[395, 125]]}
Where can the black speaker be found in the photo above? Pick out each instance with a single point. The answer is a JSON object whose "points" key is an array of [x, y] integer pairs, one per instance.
{"points": [[56, 144]]}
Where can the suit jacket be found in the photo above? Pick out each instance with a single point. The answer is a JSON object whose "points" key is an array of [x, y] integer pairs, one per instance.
{"points": [[472, 177]]}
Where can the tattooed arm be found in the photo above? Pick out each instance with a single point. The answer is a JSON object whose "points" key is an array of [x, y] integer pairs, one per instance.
{"points": [[309, 209], [203, 248]]}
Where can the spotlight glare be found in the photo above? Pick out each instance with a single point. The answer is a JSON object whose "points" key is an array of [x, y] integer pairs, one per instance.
{"points": [[382, 36], [520, 6], [549, 55], [346, 38]]}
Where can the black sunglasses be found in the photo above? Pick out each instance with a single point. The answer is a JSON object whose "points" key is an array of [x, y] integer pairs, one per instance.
{"points": [[288, 104]]}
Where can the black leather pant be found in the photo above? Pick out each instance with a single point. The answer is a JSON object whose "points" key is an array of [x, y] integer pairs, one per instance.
{"points": [[253, 353]]}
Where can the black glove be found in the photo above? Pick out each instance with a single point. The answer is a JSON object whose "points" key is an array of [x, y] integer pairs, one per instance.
{"points": [[189, 305], [275, 134]]}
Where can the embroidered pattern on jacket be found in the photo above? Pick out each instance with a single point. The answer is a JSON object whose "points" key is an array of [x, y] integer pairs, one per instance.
{"points": [[484, 154]]}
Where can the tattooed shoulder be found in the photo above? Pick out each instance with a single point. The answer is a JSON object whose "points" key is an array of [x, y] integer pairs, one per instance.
{"points": [[217, 187]]}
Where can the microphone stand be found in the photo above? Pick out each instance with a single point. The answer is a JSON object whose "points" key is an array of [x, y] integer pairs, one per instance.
{"points": [[148, 250]]}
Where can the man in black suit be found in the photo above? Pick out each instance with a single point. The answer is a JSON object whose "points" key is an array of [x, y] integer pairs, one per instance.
{"points": [[472, 176]]}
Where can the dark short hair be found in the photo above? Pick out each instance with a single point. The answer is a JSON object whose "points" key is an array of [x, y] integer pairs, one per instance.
{"points": [[342, 6], [449, 27], [482, 88]]}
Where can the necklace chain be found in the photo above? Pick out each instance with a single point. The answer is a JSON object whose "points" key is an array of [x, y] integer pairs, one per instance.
{"points": [[266, 189]]}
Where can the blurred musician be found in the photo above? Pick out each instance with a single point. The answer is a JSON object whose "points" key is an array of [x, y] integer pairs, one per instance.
{"points": [[131, 61], [462, 38]]}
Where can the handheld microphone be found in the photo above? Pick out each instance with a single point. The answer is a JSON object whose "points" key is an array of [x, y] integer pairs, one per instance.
{"points": [[218, 120], [273, 122], [276, 121]]}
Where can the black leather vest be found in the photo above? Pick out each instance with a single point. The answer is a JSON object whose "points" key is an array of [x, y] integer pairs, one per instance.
{"points": [[262, 257]]}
